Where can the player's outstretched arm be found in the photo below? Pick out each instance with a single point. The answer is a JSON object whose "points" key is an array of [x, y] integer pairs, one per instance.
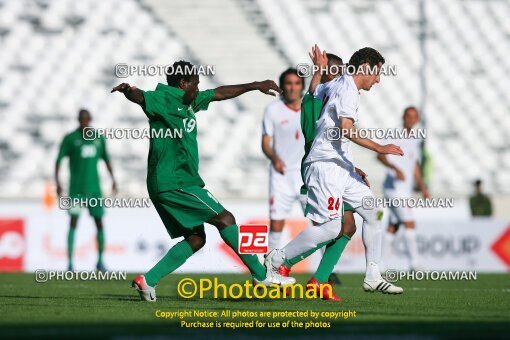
{"points": [[232, 91], [349, 131], [131, 93], [320, 60]]}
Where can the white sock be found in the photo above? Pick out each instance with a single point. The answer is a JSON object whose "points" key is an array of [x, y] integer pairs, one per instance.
{"points": [[372, 240], [311, 237], [389, 241], [412, 246], [322, 251], [274, 239]]}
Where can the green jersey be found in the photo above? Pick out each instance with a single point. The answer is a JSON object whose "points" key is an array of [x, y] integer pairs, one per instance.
{"points": [[480, 205], [173, 153], [310, 112], [83, 157], [311, 108]]}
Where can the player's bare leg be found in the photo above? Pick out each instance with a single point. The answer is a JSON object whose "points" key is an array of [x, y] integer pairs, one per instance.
{"points": [[70, 242], [349, 224]]}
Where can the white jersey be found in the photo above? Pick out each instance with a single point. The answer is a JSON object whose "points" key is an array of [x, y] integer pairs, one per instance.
{"points": [[340, 99], [406, 164], [283, 124]]}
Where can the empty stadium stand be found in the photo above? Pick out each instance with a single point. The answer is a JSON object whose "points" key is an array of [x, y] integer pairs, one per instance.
{"points": [[57, 58]]}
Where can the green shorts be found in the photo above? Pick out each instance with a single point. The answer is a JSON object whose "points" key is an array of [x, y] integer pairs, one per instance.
{"points": [[347, 207], [184, 211], [93, 204]]}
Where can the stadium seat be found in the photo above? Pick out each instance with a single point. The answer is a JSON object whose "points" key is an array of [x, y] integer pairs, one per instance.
{"points": [[67, 57]]}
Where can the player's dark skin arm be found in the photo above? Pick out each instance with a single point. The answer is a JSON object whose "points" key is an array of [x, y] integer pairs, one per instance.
{"points": [[316, 80], [232, 91], [57, 181], [220, 93], [59, 187], [131, 93], [114, 183], [363, 176]]}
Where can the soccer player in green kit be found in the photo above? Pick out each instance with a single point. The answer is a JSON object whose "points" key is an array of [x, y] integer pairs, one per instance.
{"points": [[173, 182], [84, 155], [329, 66]]}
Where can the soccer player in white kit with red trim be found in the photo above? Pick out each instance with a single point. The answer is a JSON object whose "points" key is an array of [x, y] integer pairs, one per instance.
{"points": [[402, 174], [330, 173], [283, 144]]}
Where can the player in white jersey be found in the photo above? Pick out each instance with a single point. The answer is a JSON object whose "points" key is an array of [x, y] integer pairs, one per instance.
{"points": [[330, 173], [402, 172], [283, 144]]}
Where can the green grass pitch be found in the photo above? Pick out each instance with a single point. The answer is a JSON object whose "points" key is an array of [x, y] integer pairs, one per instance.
{"points": [[103, 309]]}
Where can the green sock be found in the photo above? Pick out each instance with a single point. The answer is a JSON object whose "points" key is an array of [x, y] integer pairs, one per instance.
{"points": [[290, 262], [100, 246], [70, 245], [230, 235], [330, 258], [175, 257]]}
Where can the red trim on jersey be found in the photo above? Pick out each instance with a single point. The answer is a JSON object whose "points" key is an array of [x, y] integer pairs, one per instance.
{"points": [[293, 109]]}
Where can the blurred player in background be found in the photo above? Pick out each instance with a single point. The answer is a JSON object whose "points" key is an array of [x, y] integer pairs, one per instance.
{"points": [[173, 182], [84, 155], [402, 172], [282, 143], [330, 175]]}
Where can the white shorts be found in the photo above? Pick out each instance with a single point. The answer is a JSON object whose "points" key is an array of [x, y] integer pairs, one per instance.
{"points": [[284, 190], [329, 185], [399, 214]]}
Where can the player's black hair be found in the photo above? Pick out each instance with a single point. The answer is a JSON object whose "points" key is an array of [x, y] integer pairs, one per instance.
{"points": [[478, 182], [180, 70], [366, 55], [82, 111], [288, 71], [334, 59]]}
